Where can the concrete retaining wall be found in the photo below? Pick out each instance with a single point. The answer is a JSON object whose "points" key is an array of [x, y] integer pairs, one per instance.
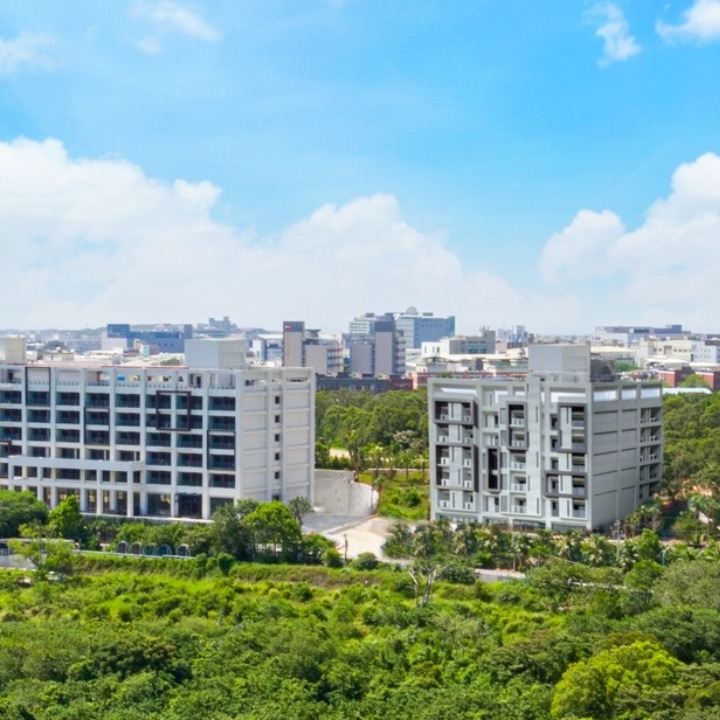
{"points": [[336, 493]]}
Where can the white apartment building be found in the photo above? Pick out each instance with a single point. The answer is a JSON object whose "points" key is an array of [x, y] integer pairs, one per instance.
{"points": [[553, 450], [158, 441]]}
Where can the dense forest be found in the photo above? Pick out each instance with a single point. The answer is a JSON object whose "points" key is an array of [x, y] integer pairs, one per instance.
{"points": [[172, 639]]}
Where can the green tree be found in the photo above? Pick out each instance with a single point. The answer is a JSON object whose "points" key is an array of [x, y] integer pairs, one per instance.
{"points": [[299, 506], [19, 508], [624, 679], [66, 521], [275, 531], [230, 534], [694, 381]]}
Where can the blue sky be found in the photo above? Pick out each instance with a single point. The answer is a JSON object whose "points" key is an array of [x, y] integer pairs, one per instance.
{"points": [[548, 164]]}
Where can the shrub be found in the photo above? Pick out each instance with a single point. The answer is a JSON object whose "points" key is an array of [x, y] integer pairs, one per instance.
{"points": [[365, 561]]}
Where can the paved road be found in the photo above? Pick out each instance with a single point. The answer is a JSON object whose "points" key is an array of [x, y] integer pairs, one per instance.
{"points": [[365, 534]]}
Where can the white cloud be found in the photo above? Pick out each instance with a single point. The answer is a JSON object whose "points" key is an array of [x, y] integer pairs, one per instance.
{"points": [[580, 249], [26, 49], [96, 241], [700, 22], [619, 44], [669, 266], [172, 17]]}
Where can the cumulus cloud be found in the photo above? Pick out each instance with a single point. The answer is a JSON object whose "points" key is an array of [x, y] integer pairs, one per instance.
{"points": [[171, 17], [619, 45], [86, 242], [580, 250], [669, 265], [26, 49], [701, 22]]}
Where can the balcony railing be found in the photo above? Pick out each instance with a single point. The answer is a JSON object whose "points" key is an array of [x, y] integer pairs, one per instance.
{"points": [[519, 487], [518, 509]]}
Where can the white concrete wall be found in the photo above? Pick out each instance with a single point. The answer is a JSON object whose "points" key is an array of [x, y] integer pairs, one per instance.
{"points": [[337, 493]]}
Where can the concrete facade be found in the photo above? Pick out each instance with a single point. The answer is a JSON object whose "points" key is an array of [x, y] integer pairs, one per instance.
{"points": [[306, 348], [160, 441], [554, 450]]}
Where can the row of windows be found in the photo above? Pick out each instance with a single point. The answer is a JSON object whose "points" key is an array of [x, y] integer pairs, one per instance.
{"points": [[152, 477], [159, 401]]}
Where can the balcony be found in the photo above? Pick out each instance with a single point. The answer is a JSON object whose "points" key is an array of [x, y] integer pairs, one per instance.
{"points": [[579, 513], [221, 462], [67, 436], [578, 491], [189, 441], [97, 401], [221, 443], [38, 416], [189, 461], [519, 487], [158, 439], [517, 422], [444, 461], [515, 465], [222, 424], [518, 509]]}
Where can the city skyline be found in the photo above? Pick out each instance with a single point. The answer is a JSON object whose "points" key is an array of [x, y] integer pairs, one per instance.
{"points": [[553, 167]]}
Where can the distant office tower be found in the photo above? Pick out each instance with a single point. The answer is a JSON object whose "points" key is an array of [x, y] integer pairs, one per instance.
{"points": [[306, 348], [158, 441], [554, 450], [375, 345], [293, 344], [423, 327]]}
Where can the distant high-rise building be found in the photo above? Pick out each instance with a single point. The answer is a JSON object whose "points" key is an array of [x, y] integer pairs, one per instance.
{"points": [[423, 327], [306, 348], [375, 345]]}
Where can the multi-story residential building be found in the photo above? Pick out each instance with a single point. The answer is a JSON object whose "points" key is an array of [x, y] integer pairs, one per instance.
{"points": [[307, 348], [157, 441], [552, 450]]}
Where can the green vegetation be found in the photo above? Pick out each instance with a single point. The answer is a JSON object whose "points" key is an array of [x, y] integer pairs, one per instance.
{"points": [[131, 638], [377, 430], [403, 496], [692, 461]]}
